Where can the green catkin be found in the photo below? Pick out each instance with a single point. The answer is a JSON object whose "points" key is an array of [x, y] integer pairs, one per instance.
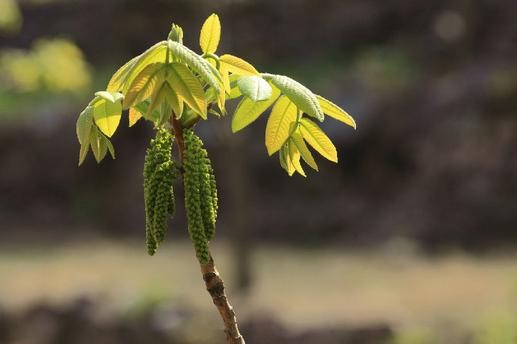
{"points": [[159, 174], [192, 165], [206, 194]]}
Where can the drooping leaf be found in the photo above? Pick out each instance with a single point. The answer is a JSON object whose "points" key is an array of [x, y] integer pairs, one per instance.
{"points": [[254, 87], [173, 100], [236, 65], [85, 147], [122, 79], [157, 99], [248, 111], [110, 96], [283, 114], [210, 34], [134, 116], [109, 145], [143, 84], [98, 145], [285, 160], [294, 155], [107, 115], [188, 88], [334, 111], [84, 125], [304, 99], [306, 154], [117, 80], [196, 63], [317, 139]]}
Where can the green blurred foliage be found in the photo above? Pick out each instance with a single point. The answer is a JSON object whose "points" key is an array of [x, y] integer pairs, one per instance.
{"points": [[10, 16], [54, 65], [500, 329]]}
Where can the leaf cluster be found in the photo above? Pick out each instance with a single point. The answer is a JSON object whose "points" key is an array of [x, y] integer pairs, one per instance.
{"points": [[169, 80]]}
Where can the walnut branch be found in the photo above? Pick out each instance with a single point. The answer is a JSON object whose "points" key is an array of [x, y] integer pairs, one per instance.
{"points": [[213, 281]]}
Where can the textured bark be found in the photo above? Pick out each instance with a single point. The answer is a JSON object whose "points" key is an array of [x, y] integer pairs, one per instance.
{"points": [[213, 281], [215, 286]]}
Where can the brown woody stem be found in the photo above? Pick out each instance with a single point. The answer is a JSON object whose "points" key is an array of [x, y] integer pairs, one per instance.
{"points": [[213, 281]]}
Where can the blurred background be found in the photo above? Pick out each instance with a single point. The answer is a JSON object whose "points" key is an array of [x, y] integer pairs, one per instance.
{"points": [[410, 239]]}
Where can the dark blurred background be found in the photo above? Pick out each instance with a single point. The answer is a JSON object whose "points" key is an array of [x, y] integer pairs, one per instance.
{"points": [[409, 239]]}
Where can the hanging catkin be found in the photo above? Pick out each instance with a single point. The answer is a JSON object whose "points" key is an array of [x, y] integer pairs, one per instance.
{"points": [[159, 175], [193, 170]]}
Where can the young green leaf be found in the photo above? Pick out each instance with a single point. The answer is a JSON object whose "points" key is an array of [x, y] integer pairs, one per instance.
{"points": [[248, 111], [117, 80], [85, 147], [196, 63], [285, 160], [317, 139], [156, 53], [173, 99], [134, 116], [84, 124], [144, 84], [304, 99], [283, 114], [297, 139], [237, 65], [107, 115], [254, 87], [334, 111], [294, 155], [110, 96], [99, 147], [210, 34], [188, 88]]}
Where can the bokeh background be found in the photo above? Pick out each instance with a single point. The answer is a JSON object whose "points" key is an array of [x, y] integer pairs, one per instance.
{"points": [[410, 239]]}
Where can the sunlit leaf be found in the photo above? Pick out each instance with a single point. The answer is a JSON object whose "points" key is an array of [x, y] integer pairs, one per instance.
{"points": [[254, 87], [283, 114], [85, 147], [110, 96], [334, 111], [248, 111], [196, 63], [117, 80], [173, 100], [143, 84], [210, 34], [297, 139], [236, 65], [84, 125], [107, 115], [134, 116], [99, 147], [285, 160], [188, 88], [317, 139], [304, 99], [294, 155]]}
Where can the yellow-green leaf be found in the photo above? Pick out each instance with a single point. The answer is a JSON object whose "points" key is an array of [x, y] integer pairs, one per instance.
{"points": [[285, 160], [134, 116], [85, 147], [210, 34], [156, 53], [317, 139], [254, 87], [304, 99], [237, 65], [294, 155], [84, 125], [174, 101], [99, 147], [107, 115], [306, 154], [144, 84], [188, 88], [117, 80], [248, 111], [283, 114], [334, 111]]}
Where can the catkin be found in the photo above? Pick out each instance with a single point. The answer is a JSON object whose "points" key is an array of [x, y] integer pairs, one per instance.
{"points": [[159, 175], [193, 165]]}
